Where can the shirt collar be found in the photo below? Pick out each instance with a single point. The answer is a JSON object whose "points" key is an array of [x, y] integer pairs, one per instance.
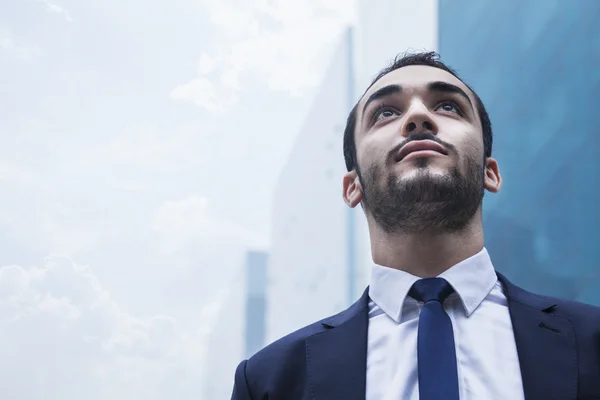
{"points": [[472, 280]]}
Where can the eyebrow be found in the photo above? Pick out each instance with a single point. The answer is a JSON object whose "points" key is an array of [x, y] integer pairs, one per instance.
{"points": [[445, 87], [381, 93], [438, 86]]}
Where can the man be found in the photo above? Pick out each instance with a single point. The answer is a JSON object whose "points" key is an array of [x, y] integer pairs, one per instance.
{"points": [[437, 322]]}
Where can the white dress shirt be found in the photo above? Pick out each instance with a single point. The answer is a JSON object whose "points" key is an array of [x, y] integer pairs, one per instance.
{"points": [[486, 353]]}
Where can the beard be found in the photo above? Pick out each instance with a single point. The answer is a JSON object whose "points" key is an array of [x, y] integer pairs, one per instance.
{"points": [[426, 202]]}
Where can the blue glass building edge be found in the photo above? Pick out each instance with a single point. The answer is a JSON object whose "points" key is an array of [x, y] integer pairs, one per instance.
{"points": [[351, 216], [256, 299], [536, 65]]}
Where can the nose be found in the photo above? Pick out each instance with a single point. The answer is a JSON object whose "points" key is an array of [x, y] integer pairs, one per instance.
{"points": [[418, 120]]}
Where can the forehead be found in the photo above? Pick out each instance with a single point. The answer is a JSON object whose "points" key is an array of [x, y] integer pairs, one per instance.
{"points": [[415, 78]]}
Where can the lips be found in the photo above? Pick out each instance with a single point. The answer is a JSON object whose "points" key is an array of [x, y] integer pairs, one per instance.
{"points": [[420, 145]]}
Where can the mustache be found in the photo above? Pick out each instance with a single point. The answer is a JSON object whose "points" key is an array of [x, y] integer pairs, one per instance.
{"points": [[419, 136]]}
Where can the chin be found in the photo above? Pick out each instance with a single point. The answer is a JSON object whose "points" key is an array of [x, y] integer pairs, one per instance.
{"points": [[423, 172]]}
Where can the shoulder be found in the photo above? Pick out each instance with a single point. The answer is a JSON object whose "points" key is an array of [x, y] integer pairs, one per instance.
{"points": [[580, 314], [577, 312], [288, 345], [279, 369], [281, 366], [293, 344]]}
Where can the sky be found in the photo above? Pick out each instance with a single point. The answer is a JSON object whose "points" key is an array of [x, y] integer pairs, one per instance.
{"points": [[141, 143]]}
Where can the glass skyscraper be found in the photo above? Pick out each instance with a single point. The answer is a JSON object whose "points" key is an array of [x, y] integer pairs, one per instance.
{"points": [[536, 66], [256, 292]]}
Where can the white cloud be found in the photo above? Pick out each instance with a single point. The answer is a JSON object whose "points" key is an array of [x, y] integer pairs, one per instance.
{"points": [[281, 43], [73, 197], [18, 175], [60, 325], [22, 52], [211, 312], [147, 147], [184, 222], [180, 216], [203, 93], [56, 9], [206, 64]]}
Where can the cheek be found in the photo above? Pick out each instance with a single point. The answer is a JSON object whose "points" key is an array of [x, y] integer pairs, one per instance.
{"points": [[371, 166], [471, 158], [370, 153], [474, 151], [469, 146], [375, 146]]}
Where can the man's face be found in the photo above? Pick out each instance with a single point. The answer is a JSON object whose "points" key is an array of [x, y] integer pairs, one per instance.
{"points": [[420, 154]]}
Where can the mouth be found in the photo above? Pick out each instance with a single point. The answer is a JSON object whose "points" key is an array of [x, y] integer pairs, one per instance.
{"points": [[420, 148]]}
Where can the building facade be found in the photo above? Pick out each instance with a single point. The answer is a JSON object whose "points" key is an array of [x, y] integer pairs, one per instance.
{"points": [[224, 327], [536, 66], [256, 300], [320, 253], [308, 256]]}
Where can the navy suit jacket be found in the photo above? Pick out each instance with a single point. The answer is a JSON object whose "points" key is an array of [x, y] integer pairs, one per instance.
{"points": [[558, 343]]}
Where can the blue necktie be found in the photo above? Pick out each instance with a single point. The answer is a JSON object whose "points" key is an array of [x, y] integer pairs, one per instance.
{"points": [[438, 377]]}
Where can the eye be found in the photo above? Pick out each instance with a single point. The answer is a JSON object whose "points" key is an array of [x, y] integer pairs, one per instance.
{"points": [[383, 113], [449, 106]]}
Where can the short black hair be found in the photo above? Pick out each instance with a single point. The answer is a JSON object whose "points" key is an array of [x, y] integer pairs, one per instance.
{"points": [[431, 59]]}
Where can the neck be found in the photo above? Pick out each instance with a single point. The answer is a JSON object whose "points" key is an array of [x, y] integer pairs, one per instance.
{"points": [[426, 255]]}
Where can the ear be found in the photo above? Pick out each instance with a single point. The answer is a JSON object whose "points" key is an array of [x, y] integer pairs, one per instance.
{"points": [[352, 189], [492, 180]]}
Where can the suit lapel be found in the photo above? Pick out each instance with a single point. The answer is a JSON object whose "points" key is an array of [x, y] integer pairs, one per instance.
{"points": [[337, 358], [545, 343]]}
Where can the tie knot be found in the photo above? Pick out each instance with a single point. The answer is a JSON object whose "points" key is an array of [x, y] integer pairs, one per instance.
{"points": [[428, 289]]}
